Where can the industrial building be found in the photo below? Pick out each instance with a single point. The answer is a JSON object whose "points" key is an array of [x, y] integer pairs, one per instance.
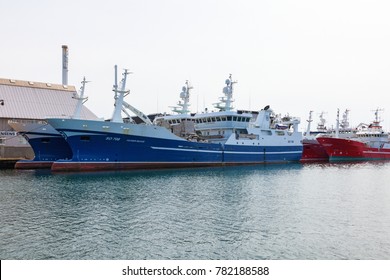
{"points": [[26, 100]]}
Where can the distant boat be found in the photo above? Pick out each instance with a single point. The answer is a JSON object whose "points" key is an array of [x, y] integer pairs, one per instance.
{"points": [[370, 142], [313, 151], [225, 137], [47, 143]]}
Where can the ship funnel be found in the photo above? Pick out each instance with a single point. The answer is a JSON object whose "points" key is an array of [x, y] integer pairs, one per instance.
{"points": [[65, 65]]}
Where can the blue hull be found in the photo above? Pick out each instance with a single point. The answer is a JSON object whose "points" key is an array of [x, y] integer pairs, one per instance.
{"points": [[50, 148], [47, 149], [104, 151]]}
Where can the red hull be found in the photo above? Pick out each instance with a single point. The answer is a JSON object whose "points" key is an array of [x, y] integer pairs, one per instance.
{"points": [[30, 164], [346, 149], [101, 166], [313, 151]]}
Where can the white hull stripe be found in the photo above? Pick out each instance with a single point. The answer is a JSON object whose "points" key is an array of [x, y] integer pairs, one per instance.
{"points": [[262, 153], [226, 152], [372, 152], [183, 150]]}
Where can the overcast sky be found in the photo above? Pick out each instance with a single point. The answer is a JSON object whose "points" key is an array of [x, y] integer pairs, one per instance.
{"points": [[296, 55]]}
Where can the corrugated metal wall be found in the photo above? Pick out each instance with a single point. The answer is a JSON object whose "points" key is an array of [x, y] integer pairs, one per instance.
{"points": [[38, 103]]}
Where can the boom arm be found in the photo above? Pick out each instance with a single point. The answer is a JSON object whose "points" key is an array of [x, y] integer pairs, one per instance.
{"points": [[141, 115]]}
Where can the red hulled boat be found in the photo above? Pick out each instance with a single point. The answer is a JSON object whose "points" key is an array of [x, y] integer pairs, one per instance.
{"points": [[369, 143], [313, 151]]}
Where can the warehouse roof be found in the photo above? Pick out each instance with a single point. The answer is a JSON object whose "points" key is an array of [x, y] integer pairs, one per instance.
{"points": [[35, 100]]}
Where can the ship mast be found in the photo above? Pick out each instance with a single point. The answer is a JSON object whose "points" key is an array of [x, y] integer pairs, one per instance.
{"points": [[80, 100], [309, 121], [377, 121], [377, 118], [337, 123], [121, 104], [345, 122], [119, 96], [321, 125], [183, 108], [226, 101]]}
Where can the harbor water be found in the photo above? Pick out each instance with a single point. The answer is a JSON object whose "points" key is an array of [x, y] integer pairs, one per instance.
{"points": [[289, 211]]}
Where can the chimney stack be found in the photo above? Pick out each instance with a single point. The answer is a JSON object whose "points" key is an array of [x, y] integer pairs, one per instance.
{"points": [[65, 65]]}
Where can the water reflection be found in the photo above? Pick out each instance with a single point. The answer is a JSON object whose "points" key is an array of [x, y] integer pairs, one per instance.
{"points": [[292, 211]]}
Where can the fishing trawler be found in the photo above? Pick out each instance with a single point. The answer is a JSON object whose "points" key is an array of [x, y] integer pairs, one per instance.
{"points": [[370, 142], [218, 138], [313, 151], [47, 143], [214, 127]]}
